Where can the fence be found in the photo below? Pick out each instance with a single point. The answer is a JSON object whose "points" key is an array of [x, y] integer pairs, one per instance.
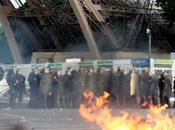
{"points": [[157, 65]]}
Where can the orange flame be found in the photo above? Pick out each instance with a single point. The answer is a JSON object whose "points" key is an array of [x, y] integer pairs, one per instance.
{"points": [[97, 110]]}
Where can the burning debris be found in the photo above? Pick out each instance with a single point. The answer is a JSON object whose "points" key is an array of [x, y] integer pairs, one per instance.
{"points": [[97, 110]]}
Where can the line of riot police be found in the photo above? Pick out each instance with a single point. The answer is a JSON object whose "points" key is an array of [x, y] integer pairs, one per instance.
{"points": [[50, 88], [16, 82], [43, 88]]}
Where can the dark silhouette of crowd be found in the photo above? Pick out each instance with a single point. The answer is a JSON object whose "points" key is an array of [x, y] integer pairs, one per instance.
{"points": [[50, 88]]}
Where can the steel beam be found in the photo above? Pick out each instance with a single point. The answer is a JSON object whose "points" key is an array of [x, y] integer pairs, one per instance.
{"points": [[105, 28], [85, 28], [10, 37]]}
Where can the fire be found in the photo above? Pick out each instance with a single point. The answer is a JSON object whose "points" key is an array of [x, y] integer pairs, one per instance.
{"points": [[97, 110]]}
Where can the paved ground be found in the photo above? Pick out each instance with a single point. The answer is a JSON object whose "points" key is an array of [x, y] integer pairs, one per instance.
{"points": [[51, 119], [44, 119]]}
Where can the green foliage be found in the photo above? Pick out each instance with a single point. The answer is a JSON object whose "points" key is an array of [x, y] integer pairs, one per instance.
{"points": [[169, 7]]}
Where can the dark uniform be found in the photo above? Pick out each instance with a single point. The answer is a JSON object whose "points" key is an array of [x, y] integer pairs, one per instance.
{"points": [[122, 88], [19, 86], [116, 85], [75, 89], [61, 91], [80, 84], [81, 81], [92, 80], [174, 90], [11, 82], [112, 84], [155, 90], [53, 92], [34, 83], [101, 82], [45, 87], [167, 88], [161, 88], [146, 86], [126, 89], [68, 88]]}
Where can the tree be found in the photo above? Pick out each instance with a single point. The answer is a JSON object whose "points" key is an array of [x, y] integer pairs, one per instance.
{"points": [[169, 9]]}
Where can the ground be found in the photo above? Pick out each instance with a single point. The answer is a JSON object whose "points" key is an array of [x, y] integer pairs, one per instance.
{"points": [[53, 119]]}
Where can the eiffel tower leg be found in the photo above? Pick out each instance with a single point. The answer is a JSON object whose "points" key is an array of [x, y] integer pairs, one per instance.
{"points": [[85, 28], [10, 37]]}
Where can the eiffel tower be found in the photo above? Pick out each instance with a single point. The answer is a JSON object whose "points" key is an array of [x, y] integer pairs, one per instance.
{"points": [[72, 28]]}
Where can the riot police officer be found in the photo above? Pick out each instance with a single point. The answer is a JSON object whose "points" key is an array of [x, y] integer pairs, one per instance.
{"points": [[67, 84], [11, 82], [53, 92], [34, 82], [45, 86], [161, 83], [19, 86]]}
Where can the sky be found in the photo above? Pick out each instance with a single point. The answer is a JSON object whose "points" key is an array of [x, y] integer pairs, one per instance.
{"points": [[16, 3]]}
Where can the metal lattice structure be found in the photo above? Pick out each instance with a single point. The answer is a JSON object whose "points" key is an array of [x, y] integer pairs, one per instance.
{"points": [[53, 24]]}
